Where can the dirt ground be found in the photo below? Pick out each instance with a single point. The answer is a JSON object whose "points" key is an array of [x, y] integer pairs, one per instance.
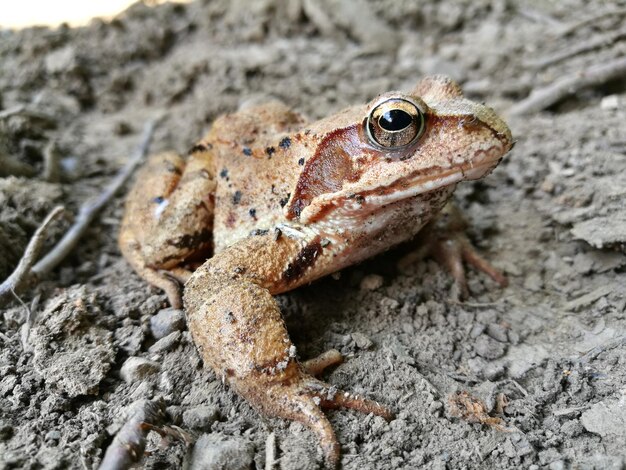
{"points": [[551, 347]]}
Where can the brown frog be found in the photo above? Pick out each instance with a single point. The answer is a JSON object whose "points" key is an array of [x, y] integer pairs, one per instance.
{"points": [[267, 202]]}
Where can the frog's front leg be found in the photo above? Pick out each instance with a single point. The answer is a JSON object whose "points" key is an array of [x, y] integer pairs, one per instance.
{"points": [[168, 219], [237, 326], [445, 240]]}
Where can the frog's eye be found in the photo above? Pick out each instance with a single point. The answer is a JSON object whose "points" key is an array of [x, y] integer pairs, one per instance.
{"points": [[395, 123]]}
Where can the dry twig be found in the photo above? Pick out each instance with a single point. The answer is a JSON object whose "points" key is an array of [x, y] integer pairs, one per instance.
{"points": [[26, 273], [15, 281], [595, 352], [589, 20], [130, 441], [580, 48], [5, 113], [595, 75], [90, 209], [473, 410], [270, 451], [51, 171]]}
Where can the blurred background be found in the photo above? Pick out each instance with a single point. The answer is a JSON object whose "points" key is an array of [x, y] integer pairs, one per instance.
{"points": [[73, 12]]}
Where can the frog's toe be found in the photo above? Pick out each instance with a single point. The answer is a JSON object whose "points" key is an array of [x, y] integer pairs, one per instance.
{"points": [[304, 400], [330, 397], [322, 362], [445, 240]]}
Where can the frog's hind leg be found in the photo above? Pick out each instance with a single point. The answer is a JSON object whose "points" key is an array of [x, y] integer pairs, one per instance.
{"points": [[168, 218], [238, 329]]}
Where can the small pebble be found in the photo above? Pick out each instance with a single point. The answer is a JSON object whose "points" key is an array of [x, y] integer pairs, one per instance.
{"points": [[201, 417], [214, 451], [610, 102], [136, 369], [372, 282], [167, 321], [167, 343]]}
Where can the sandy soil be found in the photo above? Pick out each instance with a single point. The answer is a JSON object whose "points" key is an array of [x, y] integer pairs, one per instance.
{"points": [[551, 346]]}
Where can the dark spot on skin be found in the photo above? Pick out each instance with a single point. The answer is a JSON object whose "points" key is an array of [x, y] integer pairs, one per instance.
{"points": [[357, 197], [229, 372], [259, 231], [283, 202], [239, 270], [304, 260], [158, 199], [191, 240], [237, 197], [285, 143], [247, 151], [273, 189], [296, 210], [230, 317], [224, 173], [198, 148], [270, 151], [301, 161], [252, 213]]}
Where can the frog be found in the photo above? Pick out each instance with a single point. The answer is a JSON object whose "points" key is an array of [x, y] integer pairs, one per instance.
{"points": [[268, 201]]}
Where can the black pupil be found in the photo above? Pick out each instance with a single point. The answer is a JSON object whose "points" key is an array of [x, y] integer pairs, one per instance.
{"points": [[395, 120]]}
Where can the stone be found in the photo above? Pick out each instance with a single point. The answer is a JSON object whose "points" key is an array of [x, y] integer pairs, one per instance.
{"points": [[218, 452], [136, 369], [167, 321], [167, 343]]}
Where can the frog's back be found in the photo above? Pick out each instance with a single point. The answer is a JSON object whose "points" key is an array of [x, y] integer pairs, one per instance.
{"points": [[255, 167]]}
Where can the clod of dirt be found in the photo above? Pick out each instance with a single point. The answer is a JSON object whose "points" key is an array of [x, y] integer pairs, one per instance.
{"points": [[606, 417], [201, 417], [72, 353], [601, 232], [216, 452], [136, 369], [488, 347]]}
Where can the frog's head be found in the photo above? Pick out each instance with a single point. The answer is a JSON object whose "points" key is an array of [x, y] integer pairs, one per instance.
{"points": [[398, 146]]}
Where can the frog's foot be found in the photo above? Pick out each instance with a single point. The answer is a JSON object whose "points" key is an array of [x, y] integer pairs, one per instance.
{"points": [[445, 240], [170, 282], [303, 399], [455, 248]]}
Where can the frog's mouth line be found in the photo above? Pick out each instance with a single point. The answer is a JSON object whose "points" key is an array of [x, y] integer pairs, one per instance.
{"points": [[432, 180]]}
